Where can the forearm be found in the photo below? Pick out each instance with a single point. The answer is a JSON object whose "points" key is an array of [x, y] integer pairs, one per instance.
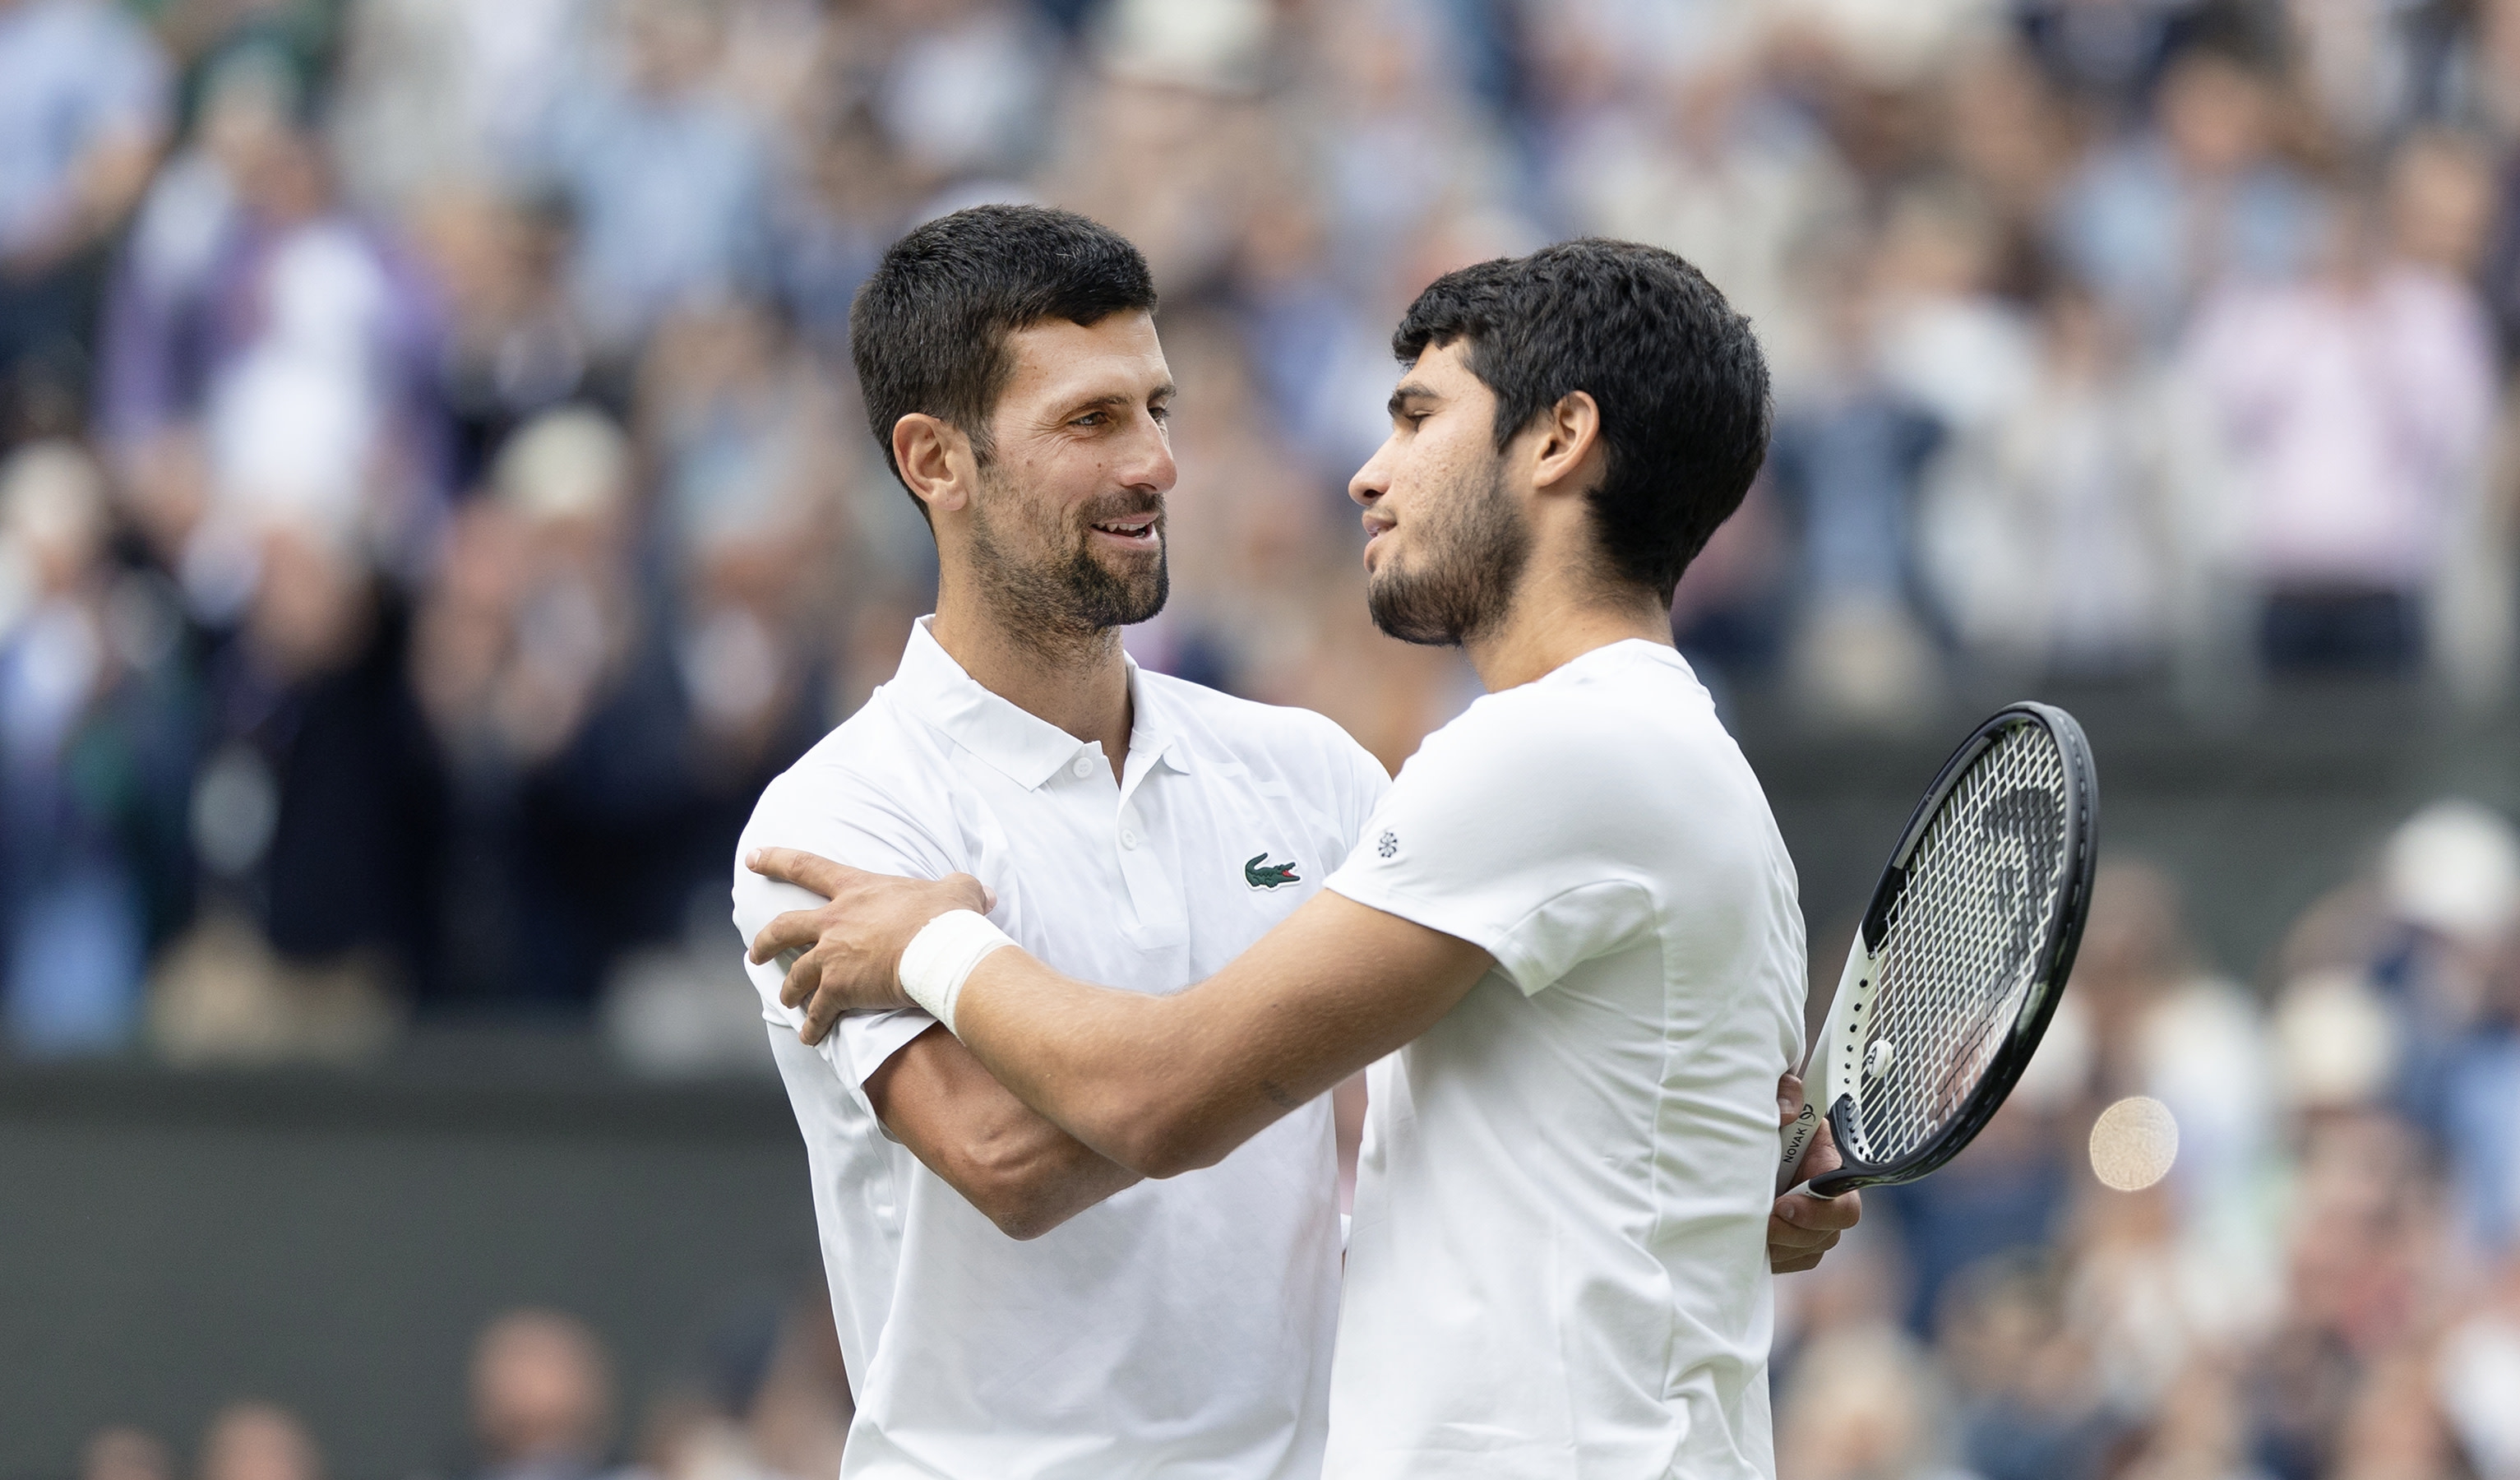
{"points": [[1028, 1177], [1154, 1084], [1170, 1084], [1027, 1174]]}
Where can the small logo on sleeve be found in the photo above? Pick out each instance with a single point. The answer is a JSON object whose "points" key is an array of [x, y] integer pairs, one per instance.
{"points": [[1387, 844], [1260, 873]]}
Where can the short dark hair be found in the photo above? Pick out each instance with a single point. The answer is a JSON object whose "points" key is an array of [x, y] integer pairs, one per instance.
{"points": [[928, 329], [1677, 373]]}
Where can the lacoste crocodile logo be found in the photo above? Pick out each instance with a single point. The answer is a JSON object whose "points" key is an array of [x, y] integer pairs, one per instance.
{"points": [[1262, 875]]}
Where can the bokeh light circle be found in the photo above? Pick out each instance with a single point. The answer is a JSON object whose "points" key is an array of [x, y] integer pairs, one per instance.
{"points": [[2134, 1143]]}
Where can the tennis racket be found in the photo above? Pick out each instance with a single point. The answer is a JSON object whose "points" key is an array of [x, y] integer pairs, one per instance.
{"points": [[1960, 957]]}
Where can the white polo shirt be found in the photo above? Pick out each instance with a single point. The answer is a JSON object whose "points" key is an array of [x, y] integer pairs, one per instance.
{"points": [[1558, 1264], [1182, 1327]]}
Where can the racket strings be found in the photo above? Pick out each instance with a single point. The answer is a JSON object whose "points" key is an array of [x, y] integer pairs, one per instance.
{"points": [[1961, 943]]}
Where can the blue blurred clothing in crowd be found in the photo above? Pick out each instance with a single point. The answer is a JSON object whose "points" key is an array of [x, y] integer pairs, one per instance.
{"points": [[671, 196], [95, 762], [1849, 472], [2483, 1130], [2147, 238], [72, 74]]}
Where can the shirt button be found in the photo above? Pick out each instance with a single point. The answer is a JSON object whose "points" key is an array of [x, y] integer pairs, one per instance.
{"points": [[1085, 765], [1128, 839]]}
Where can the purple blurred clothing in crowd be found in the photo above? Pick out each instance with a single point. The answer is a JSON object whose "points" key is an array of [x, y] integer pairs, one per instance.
{"points": [[2355, 415], [305, 351]]}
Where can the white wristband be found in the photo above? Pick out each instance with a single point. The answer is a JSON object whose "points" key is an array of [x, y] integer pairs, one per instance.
{"points": [[940, 958]]}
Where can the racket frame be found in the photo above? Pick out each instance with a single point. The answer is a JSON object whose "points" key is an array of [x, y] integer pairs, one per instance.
{"points": [[1834, 1067]]}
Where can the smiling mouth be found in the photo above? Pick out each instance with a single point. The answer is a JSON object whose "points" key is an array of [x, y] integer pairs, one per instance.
{"points": [[1138, 531]]}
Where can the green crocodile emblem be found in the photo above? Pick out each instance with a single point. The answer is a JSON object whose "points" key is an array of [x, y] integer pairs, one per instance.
{"points": [[1261, 875]]}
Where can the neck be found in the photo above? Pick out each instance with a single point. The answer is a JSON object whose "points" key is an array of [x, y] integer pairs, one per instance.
{"points": [[1078, 681], [1552, 622]]}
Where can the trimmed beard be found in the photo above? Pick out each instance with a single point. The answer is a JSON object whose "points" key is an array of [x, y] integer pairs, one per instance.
{"points": [[1076, 598], [1463, 579]]}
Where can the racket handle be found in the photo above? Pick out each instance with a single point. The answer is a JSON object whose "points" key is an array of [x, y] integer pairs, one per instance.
{"points": [[1796, 1140]]}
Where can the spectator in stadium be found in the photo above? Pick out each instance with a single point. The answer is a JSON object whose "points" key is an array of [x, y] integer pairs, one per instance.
{"points": [[1846, 465], [2156, 220], [269, 356], [2058, 548], [668, 181], [318, 817], [93, 762], [527, 631], [84, 110], [448, 95], [542, 1399], [2354, 406], [258, 1441], [513, 347], [122, 1453]]}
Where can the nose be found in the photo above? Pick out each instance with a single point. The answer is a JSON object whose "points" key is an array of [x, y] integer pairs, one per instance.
{"points": [[1373, 479], [1148, 459]]}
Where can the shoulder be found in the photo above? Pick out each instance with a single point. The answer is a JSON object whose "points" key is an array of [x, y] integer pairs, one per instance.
{"points": [[882, 755], [1630, 736], [1614, 709]]}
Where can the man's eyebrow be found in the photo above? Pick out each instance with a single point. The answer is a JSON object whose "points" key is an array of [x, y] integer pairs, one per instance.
{"points": [[1411, 390], [1163, 392]]}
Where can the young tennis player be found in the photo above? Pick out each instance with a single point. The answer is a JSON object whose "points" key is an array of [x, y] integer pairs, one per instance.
{"points": [[1570, 922]]}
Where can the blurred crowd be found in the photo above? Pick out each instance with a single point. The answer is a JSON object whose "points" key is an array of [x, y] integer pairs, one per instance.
{"points": [[434, 501], [767, 1402]]}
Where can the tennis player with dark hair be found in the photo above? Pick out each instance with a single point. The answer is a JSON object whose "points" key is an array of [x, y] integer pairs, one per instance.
{"points": [[1570, 924]]}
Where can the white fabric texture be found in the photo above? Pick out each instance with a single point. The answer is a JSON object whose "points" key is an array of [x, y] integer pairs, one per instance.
{"points": [[1182, 1327], [939, 959], [1557, 1264]]}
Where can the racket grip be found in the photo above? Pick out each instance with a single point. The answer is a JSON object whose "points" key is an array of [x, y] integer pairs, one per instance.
{"points": [[1796, 1142]]}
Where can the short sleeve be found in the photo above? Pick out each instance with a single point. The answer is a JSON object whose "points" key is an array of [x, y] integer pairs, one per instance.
{"points": [[1514, 830], [849, 821]]}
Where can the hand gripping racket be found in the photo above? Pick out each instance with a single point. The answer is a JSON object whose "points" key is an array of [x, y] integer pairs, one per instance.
{"points": [[1960, 957]]}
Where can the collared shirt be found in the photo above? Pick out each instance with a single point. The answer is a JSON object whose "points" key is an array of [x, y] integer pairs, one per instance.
{"points": [[1182, 1327], [1559, 1266]]}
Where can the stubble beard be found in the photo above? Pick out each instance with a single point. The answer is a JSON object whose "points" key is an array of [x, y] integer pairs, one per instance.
{"points": [[1055, 604], [1464, 577]]}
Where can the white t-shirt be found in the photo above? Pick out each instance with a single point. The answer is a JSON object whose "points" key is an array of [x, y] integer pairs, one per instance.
{"points": [[1558, 1263], [1182, 1327]]}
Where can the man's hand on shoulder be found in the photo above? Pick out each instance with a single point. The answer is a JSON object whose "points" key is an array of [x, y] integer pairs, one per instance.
{"points": [[848, 952], [1804, 1226]]}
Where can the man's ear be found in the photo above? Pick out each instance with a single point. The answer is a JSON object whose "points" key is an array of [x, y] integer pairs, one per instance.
{"points": [[937, 461], [1568, 454]]}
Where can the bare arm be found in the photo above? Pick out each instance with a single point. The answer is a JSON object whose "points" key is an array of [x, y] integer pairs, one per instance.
{"points": [[1161, 1085], [1026, 1174]]}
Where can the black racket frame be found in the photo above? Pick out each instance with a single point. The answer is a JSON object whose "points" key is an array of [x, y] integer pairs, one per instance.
{"points": [[2064, 936]]}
